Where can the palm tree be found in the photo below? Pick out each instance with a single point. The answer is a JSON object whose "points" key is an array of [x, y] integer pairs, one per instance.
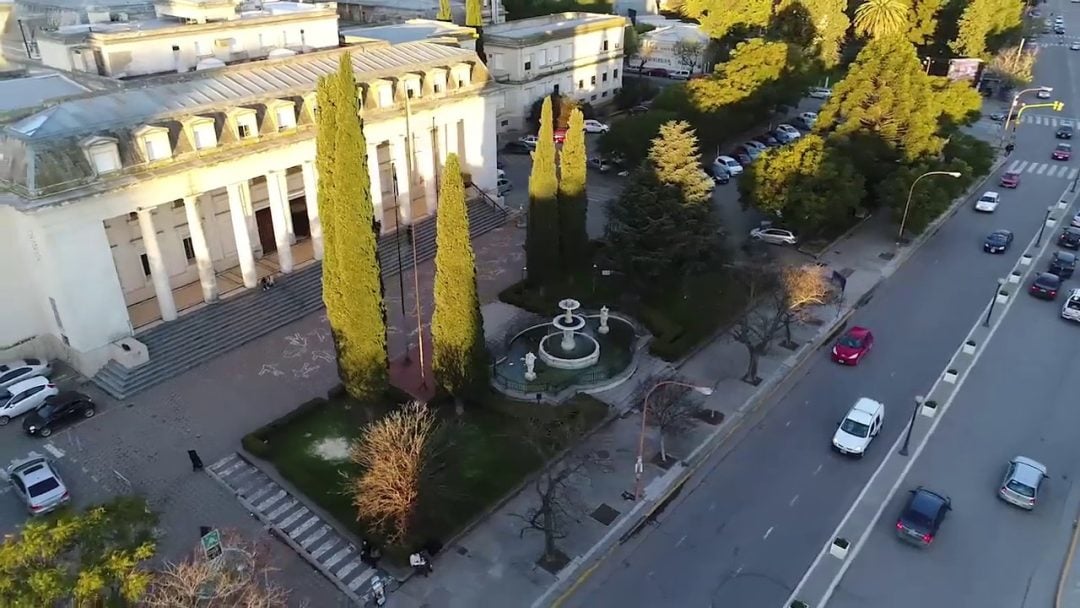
{"points": [[880, 18]]}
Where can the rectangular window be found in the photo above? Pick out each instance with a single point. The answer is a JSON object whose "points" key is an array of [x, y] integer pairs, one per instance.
{"points": [[592, 80], [145, 264], [604, 76], [104, 158], [244, 130], [604, 94], [178, 204], [205, 136], [286, 118], [604, 47], [615, 74], [528, 65], [155, 150], [386, 96], [580, 84], [555, 90], [189, 249], [554, 55], [504, 123]]}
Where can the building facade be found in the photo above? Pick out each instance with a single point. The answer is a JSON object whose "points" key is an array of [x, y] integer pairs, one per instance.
{"points": [[579, 55], [204, 182], [397, 11], [657, 47]]}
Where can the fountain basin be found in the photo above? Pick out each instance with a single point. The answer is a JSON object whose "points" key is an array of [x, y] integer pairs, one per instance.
{"points": [[586, 352]]}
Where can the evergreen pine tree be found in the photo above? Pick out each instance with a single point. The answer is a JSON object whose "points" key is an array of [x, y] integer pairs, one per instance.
{"points": [[459, 355], [645, 231], [674, 158], [573, 203], [352, 283], [474, 18], [542, 238]]}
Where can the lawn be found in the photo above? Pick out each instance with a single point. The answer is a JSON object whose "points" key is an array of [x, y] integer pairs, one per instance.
{"points": [[484, 461]]}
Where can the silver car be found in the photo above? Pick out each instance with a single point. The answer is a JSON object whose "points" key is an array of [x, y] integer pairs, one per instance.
{"points": [[1023, 478], [38, 484], [21, 369], [24, 396], [775, 236]]}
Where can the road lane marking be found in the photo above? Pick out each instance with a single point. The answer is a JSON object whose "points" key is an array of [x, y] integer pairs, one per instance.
{"points": [[793, 501], [767, 533], [818, 469], [738, 571], [52, 449], [1042, 169], [1013, 166], [681, 540], [865, 535], [787, 424], [1021, 166]]}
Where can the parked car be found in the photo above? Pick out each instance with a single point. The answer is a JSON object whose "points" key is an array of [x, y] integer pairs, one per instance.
{"points": [[1075, 223], [774, 236], [782, 136], [638, 109], [806, 120], [922, 516], [1061, 152], [998, 117], [38, 484], [719, 173], [853, 345], [1071, 309], [659, 73], [859, 427], [789, 130], [755, 145], [1045, 286], [22, 369], [517, 147], [728, 163], [1064, 132], [599, 164], [595, 126], [746, 150], [998, 241], [1010, 179], [1063, 264], [529, 140], [819, 92], [1070, 238], [57, 410], [988, 202], [503, 185], [768, 140], [1023, 478], [742, 158], [24, 396]]}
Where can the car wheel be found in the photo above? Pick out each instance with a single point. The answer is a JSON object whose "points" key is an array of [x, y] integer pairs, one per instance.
{"points": [[88, 412], [45, 431], [4, 420]]}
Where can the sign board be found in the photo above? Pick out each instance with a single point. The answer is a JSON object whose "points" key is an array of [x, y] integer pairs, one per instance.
{"points": [[211, 544]]}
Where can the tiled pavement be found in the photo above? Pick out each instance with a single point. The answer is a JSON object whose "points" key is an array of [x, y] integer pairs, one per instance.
{"points": [[314, 539]]}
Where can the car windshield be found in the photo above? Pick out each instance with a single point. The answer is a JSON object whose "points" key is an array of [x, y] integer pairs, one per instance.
{"points": [[43, 487], [1064, 147], [852, 427], [1074, 303], [851, 342], [1020, 488], [1012, 175]]}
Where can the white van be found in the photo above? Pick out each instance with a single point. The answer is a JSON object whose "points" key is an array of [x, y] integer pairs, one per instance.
{"points": [[679, 74]]}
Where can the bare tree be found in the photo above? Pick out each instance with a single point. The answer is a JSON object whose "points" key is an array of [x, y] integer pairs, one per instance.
{"points": [[643, 55], [804, 286], [238, 578], [1013, 65], [689, 52], [764, 318], [398, 454], [557, 502], [671, 409]]}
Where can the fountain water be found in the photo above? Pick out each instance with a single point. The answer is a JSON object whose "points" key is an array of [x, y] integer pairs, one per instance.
{"points": [[576, 350]]}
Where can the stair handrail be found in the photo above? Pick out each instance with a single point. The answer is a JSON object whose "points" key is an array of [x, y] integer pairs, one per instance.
{"points": [[487, 198]]}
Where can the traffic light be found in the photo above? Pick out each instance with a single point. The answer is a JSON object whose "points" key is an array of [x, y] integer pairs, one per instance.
{"points": [[1058, 106]]}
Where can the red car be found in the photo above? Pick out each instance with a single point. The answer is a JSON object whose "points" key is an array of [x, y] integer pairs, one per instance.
{"points": [[851, 347], [1010, 179], [1062, 152], [560, 136]]}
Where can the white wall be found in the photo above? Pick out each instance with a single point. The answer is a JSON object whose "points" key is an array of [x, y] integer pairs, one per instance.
{"points": [[557, 54], [19, 299]]}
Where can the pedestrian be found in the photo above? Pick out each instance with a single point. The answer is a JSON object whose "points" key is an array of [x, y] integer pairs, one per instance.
{"points": [[374, 554], [196, 462], [417, 563], [1009, 149], [264, 284]]}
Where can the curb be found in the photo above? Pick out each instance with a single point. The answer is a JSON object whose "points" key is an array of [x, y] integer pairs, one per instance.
{"points": [[1067, 566], [797, 362]]}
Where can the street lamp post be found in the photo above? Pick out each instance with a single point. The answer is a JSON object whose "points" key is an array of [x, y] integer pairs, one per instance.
{"points": [[990, 311], [397, 245], [911, 425], [639, 465], [1012, 108], [907, 206], [1046, 220]]}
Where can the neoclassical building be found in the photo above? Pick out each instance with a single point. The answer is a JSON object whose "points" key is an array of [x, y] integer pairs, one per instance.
{"points": [[128, 207]]}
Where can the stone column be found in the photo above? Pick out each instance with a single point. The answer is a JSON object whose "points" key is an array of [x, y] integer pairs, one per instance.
{"points": [[426, 167], [401, 170], [238, 212], [249, 218], [275, 191], [311, 201], [474, 146], [207, 277], [375, 177], [158, 273]]}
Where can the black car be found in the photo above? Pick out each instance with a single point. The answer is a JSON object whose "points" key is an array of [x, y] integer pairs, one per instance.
{"points": [[998, 241], [517, 147], [1070, 239], [1045, 286], [1063, 264], [922, 516], [1064, 132], [58, 409], [768, 139], [640, 109]]}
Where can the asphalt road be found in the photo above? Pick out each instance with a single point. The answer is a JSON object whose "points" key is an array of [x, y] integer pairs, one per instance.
{"points": [[750, 522]]}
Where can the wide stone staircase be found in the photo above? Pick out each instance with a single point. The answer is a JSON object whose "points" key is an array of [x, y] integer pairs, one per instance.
{"points": [[201, 335]]}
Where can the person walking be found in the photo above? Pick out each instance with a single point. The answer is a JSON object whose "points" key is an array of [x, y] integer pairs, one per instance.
{"points": [[196, 462]]}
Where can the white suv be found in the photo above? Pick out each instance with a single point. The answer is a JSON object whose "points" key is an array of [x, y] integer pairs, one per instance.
{"points": [[860, 426], [1071, 309], [988, 202]]}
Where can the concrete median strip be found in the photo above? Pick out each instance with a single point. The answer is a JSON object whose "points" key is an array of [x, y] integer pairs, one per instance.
{"points": [[788, 372], [824, 575]]}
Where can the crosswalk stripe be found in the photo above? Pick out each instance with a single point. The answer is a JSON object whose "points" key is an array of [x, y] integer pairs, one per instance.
{"points": [[1051, 171], [1072, 174], [1042, 169], [1054, 171], [1013, 166], [1023, 165]]}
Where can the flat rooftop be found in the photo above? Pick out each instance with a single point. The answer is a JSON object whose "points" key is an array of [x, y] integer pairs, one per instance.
{"points": [[413, 30], [31, 91], [546, 25]]}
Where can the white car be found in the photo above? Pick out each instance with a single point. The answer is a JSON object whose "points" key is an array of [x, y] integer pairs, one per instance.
{"points": [[595, 126], [988, 202], [529, 140], [38, 484], [1071, 309], [1043, 94], [24, 396], [503, 185], [790, 131], [599, 164], [1076, 45], [806, 119], [1075, 221], [755, 145], [820, 92], [730, 164], [774, 236], [22, 369], [859, 427]]}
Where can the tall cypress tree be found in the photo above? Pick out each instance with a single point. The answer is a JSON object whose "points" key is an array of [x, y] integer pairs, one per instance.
{"points": [[444, 13], [352, 282], [474, 18], [459, 355], [542, 238], [573, 202]]}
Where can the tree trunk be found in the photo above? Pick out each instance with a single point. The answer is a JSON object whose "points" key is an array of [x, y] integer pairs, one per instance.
{"points": [[550, 527], [663, 448], [787, 329], [751, 368]]}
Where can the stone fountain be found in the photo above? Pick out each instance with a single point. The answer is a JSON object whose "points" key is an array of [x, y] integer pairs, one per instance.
{"points": [[574, 350]]}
